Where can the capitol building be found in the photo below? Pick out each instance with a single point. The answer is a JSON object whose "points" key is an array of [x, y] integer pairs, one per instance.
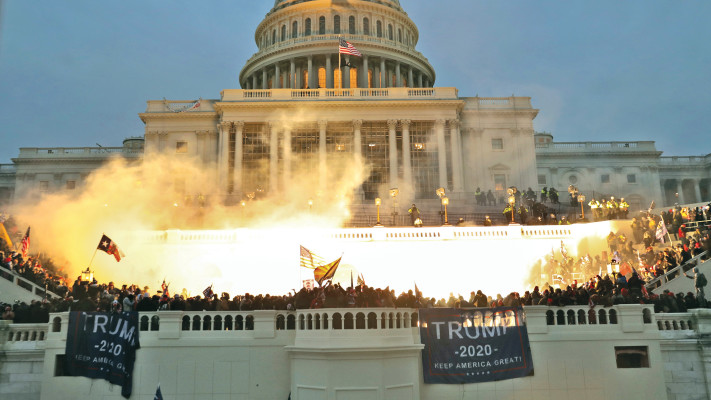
{"points": [[304, 112], [297, 111]]}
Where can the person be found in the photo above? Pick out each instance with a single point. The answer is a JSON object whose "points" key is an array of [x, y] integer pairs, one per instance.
{"points": [[699, 283], [553, 194], [8, 315], [490, 198], [544, 194], [487, 221], [509, 213], [415, 215]]}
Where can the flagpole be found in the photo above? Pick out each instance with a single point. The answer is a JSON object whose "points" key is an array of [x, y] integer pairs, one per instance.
{"points": [[340, 73], [92, 257]]}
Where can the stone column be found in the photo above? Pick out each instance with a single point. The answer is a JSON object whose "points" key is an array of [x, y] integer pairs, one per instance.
{"points": [[277, 75], [254, 81], [201, 137], [239, 129], [392, 152], [223, 153], [398, 78], [346, 75], [406, 152], [364, 74], [455, 142], [310, 71], [265, 83], [322, 173], [441, 152], [410, 80], [697, 190], [292, 74], [286, 178], [383, 74], [419, 79], [273, 156], [376, 76], [329, 72], [427, 82], [299, 78], [357, 145]]}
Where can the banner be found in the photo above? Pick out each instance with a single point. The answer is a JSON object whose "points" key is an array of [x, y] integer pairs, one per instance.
{"points": [[474, 345], [103, 345]]}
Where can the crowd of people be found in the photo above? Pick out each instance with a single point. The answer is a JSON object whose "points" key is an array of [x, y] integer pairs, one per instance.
{"points": [[611, 278]]}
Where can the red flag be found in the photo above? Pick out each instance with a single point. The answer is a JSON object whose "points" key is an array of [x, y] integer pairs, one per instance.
{"points": [[346, 48], [327, 271]]}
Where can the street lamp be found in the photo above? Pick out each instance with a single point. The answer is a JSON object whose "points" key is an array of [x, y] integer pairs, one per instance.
{"points": [[445, 202], [441, 194], [243, 204], [377, 204], [393, 194], [512, 202], [311, 204], [581, 200]]}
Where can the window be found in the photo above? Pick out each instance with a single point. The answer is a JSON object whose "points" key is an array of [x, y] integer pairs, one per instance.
{"points": [[605, 178], [541, 179], [307, 27], [366, 26], [59, 362], [497, 144], [43, 186], [283, 33], [379, 29], [632, 356], [71, 185], [181, 147], [274, 36], [390, 32], [321, 25], [337, 24], [399, 35], [499, 181], [294, 29], [351, 25], [631, 178]]}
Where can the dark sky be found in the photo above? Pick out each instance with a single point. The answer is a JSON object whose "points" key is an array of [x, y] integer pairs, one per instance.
{"points": [[75, 73]]}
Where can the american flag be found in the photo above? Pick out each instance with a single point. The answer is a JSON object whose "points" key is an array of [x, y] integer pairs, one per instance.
{"points": [[308, 259], [347, 48], [25, 243]]}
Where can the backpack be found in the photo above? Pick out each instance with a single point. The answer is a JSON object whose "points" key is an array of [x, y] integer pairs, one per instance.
{"points": [[701, 281]]}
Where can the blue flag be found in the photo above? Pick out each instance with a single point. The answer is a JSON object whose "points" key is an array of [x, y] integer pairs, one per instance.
{"points": [[159, 395]]}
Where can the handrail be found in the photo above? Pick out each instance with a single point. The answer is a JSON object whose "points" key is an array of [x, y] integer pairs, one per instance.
{"points": [[26, 284], [674, 272]]}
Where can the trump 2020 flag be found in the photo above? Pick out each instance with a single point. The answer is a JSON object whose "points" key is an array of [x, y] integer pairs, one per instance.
{"points": [[109, 247]]}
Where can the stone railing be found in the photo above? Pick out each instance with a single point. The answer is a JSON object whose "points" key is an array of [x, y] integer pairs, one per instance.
{"points": [[675, 321], [675, 272], [7, 168], [374, 234], [93, 152], [596, 146], [683, 160], [396, 93], [26, 333]]}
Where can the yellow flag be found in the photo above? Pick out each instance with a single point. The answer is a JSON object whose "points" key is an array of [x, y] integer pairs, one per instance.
{"points": [[5, 236], [324, 272]]}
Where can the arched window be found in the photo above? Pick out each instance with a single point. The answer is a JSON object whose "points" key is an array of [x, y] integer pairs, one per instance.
{"points": [[294, 29], [390, 32], [336, 24], [351, 25], [274, 36], [307, 27], [379, 29], [354, 77], [366, 26], [399, 35], [321, 25], [283, 33], [322, 77]]}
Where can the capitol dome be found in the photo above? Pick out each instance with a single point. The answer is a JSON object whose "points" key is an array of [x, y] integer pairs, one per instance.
{"points": [[298, 47]]}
